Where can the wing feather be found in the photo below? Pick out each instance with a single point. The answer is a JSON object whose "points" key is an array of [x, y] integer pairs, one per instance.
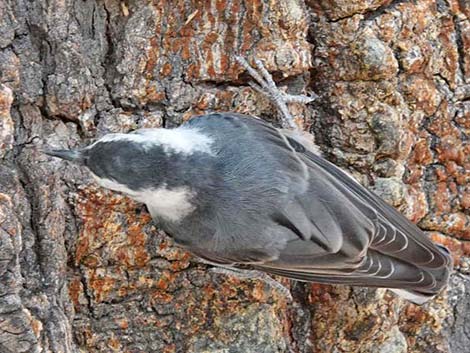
{"points": [[416, 246], [328, 228]]}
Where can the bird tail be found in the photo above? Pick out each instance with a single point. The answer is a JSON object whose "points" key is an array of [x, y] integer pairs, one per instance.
{"points": [[441, 277], [412, 296], [415, 283]]}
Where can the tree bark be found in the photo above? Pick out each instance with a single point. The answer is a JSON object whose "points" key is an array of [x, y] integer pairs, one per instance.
{"points": [[84, 270]]}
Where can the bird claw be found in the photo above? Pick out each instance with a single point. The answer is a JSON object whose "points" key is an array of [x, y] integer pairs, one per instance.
{"points": [[300, 98], [265, 84], [253, 274]]}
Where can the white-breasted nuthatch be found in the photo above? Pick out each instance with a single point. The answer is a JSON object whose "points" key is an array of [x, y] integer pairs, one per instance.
{"points": [[236, 191]]}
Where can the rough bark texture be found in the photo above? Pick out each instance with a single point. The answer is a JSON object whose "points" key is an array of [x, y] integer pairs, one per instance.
{"points": [[84, 270]]}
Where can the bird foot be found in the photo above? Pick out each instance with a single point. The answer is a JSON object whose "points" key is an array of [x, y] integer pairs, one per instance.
{"points": [[266, 85], [253, 274]]}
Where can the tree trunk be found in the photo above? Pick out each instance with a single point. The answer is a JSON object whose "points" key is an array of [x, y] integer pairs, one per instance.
{"points": [[84, 270]]}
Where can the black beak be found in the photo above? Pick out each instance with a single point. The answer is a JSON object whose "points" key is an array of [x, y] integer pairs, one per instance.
{"points": [[69, 155]]}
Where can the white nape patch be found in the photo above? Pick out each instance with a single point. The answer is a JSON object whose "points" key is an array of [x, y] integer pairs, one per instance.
{"points": [[414, 298], [170, 204], [180, 140]]}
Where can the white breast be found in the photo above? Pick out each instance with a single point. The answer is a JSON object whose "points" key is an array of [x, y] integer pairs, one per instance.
{"points": [[171, 204]]}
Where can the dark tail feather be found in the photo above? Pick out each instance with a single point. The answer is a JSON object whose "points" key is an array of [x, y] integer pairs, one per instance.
{"points": [[412, 282]]}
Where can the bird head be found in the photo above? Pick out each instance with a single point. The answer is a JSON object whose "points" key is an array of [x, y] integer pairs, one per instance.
{"points": [[139, 161], [116, 162]]}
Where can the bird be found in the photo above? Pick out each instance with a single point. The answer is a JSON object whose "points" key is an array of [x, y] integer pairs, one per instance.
{"points": [[243, 194]]}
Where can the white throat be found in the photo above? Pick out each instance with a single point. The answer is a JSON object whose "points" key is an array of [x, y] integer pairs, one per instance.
{"points": [[170, 204]]}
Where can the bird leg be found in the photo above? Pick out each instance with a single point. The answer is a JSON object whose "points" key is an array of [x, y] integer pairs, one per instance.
{"points": [[253, 274], [266, 85], [229, 270]]}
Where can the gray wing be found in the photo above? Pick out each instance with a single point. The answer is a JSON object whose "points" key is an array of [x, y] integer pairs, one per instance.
{"points": [[397, 254], [321, 225]]}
